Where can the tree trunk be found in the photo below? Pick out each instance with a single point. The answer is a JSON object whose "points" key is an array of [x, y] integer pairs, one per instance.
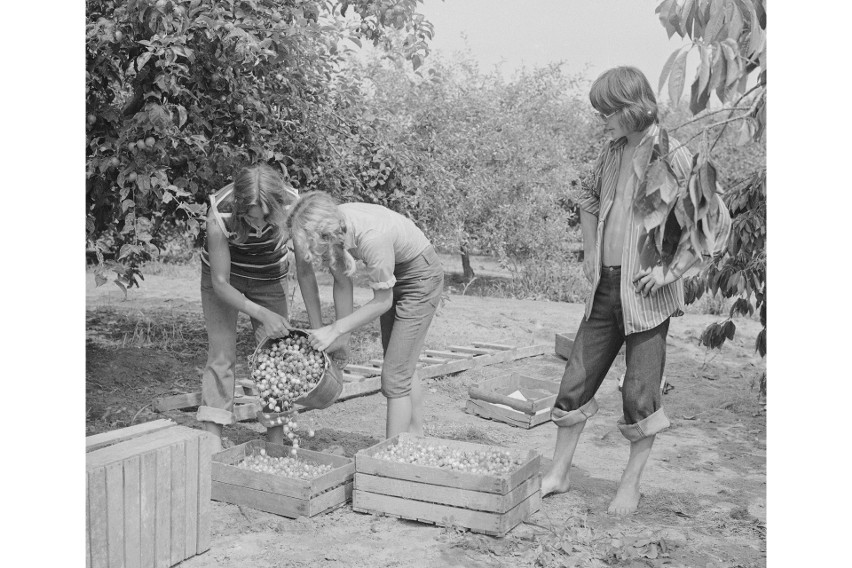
{"points": [[467, 271]]}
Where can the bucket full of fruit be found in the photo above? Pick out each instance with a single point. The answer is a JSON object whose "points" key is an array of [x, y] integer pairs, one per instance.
{"points": [[288, 371]]}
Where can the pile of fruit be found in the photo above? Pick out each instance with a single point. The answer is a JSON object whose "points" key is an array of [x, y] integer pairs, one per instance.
{"points": [[297, 468], [283, 370], [492, 461]]}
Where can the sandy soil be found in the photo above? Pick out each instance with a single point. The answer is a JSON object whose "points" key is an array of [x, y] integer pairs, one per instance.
{"points": [[704, 489]]}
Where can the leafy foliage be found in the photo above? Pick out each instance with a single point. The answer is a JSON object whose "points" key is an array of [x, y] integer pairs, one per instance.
{"points": [[730, 39], [181, 93]]}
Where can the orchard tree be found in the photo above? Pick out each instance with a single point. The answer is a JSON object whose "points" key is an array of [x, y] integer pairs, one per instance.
{"points": [[729, 39], [182, 93]]}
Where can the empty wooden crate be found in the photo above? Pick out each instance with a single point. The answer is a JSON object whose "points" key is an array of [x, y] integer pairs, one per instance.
{"points": [[483, 503], [285, 496], [147, 495], [513, 398]]}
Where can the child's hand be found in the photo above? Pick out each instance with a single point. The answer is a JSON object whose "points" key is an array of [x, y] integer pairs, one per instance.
{"points": [[649, 280], [323, 338], [275, 325]]}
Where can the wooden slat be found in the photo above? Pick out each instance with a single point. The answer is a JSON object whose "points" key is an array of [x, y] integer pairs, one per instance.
{"points": [[331, 499], [483, 360], [364, 370], [115, 514], [261, 500], [163, 539], [231, 475], [478, 393], [448, 354], [205, 452], [498, 346], [132, 512], [88, 526], [137, 446], [97, 489], [474, 500], [148, 506], [104, 439], [191, 501], [489, 411], [443, 515], [357, 388], [246, 411], [178, 401], [432, 360], [178, 503], [472, 350]]}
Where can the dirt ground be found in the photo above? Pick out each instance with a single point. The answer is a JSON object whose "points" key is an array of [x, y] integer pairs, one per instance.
{"points": [[704, 488]]}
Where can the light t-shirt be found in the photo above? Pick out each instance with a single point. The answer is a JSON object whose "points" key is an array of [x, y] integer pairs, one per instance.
{"points": [[381, 238]]}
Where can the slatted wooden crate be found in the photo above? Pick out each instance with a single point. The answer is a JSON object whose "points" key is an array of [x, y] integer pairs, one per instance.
{"points": [[515, 399], [276, 494], [147, 495], [487, 504], [563, 344]]}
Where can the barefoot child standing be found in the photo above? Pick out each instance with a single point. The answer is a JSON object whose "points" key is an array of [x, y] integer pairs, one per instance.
{"points": [[244, 269], [627, 304], [406, 278]]}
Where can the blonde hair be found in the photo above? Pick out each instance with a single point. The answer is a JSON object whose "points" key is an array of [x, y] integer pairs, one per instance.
{"points": [[625, 89], [260, 186], [317, 221]]}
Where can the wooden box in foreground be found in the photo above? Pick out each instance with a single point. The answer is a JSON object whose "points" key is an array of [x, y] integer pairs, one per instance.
{"points": [[487, 504], [288, 497], [515, 399], [147, 495]]}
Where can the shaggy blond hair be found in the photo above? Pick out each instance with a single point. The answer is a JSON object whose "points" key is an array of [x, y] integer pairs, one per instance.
{"points": [[316, 221]]}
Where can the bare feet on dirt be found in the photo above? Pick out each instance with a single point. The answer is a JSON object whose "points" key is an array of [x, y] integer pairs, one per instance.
{"points": [[551, 484], [626, 500]]}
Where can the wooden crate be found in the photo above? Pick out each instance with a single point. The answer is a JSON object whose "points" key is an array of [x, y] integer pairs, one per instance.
{"points": [[276, 494], [486, 504], [147, 495], [497, 399]]}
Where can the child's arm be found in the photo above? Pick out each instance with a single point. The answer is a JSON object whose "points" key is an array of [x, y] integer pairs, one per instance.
{"points": [[308, 285], [274, 325], [328, 336]]}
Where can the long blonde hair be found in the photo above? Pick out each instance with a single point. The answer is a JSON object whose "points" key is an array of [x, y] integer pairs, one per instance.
{"points": [[317, 221], [260, 185]]}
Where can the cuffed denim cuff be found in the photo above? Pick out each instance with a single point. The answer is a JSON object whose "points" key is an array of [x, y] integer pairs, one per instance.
{"points": [[649, 426], [563, 418], [217, 415]]}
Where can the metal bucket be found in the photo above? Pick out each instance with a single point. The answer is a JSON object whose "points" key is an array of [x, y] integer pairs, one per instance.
{"points": [[322, 395]]}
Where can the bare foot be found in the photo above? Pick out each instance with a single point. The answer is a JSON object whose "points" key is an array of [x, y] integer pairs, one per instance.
{"points": [[551, 484], [626, 500]]}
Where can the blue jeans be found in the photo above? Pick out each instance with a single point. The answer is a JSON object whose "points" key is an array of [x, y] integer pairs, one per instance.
{"points": [[218, 379], [416, 295], [596, 346]]}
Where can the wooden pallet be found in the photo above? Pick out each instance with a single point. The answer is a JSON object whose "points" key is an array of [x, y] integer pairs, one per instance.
{"points": [[487, 504], [360, 380], [366, 379], [494, 399], [276, 494], [147, 495]]}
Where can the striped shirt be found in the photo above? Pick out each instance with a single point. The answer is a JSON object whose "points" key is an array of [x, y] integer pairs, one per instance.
{"points": [[597, 195], [264, 255]]}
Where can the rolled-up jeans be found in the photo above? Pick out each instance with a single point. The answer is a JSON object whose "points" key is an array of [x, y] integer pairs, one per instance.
{"points": [[596, 345], [218, 378], [416, 295]]}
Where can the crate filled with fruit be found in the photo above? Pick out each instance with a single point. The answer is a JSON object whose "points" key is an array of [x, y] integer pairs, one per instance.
{"points": [[281, 479], [486, 489]]}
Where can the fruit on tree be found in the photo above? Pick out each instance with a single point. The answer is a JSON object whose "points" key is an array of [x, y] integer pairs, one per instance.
{"points": [[150, 141], [91, 119], [131, 177], [140, 144]]}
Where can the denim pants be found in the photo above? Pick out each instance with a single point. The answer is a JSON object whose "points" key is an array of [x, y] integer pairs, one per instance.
{"points": [[416, 295], [218, 379], [596, 346]]}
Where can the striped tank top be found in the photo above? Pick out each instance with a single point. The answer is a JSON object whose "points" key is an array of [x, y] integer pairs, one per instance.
{"points": [[264, 255]]}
